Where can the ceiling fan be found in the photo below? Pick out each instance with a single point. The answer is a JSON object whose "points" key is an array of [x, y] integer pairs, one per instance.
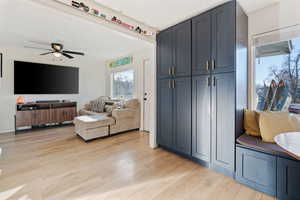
{"points": [[57, 51]]}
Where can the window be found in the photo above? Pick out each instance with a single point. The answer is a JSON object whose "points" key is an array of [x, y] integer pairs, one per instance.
{"points": [[122, 84], [277, 78]]}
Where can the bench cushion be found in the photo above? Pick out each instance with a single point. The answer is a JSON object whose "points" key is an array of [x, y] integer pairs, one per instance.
{"points": [[257, 143]]}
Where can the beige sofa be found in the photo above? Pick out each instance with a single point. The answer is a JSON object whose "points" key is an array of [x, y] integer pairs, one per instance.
{"points": [[125, 118]]}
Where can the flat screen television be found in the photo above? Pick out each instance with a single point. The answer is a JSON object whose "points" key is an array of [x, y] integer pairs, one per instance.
{"points": [[35, 78]]}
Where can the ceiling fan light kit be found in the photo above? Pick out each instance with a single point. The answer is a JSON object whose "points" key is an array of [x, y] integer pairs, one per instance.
{"points": [[58, 51]]}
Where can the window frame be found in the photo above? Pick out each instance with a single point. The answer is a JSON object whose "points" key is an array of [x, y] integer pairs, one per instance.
{"points": [[118, 70]]}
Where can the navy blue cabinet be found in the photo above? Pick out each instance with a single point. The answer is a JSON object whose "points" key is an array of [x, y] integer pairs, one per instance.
{"points": [[182, 115], [223, 38], [198, 95], [256, 170], [174, 114], [201, 117], [201, 37], [165, 113], [223, 121], [174, 51], [288, 179], [165, 54], [182, 50]]}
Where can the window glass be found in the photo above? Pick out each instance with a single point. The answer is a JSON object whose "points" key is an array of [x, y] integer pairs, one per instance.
{"points": [[277, 78], [123, 84]]}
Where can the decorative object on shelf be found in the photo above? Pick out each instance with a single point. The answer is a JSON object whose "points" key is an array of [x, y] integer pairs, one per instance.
{"points": [[1, 67], [103, 16], [20, 100], [75, 4], [121, 62], [95, 12], [114, 19], [84, 7], [138, 29]]}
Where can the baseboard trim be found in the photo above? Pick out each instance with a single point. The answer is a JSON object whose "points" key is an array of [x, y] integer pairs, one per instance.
{"points": [[7, 131]]}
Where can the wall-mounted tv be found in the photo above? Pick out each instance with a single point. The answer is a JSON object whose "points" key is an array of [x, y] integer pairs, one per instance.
{"points": [[35, 78]]}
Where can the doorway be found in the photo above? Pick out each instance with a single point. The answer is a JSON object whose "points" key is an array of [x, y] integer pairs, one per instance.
{"points": [[146, 95]]}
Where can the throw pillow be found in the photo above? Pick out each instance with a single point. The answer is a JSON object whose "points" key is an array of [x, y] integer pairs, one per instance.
{"points": [[251, 125], [274, 123]]}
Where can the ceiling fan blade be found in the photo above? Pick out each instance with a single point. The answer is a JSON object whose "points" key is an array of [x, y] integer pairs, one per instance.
{"points": [[29, 47], [67, 55], [74, 52], [46, 53]]}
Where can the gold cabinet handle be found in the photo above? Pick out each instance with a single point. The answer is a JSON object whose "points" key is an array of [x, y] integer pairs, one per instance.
{"points": [[207, 66], [213, 65], [173, 84], [173, 71], [170, 70], [214, 81]]}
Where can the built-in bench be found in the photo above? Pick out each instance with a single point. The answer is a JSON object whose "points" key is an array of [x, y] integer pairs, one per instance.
{"points": [[267, 167]]}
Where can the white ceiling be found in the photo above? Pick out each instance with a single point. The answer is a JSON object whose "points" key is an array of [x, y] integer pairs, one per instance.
{"points": [[254, 5], [164, 13], [22, 21]]}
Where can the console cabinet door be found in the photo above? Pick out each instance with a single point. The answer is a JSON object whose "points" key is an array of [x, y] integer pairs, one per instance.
{"points": [[223, 40], [288, 179], [201, 37], [223, 121], [57, 115], [201, 118], [182, 49], [165, 113], [182, 115], [41, 117], [165, 53], [69, 114], [24, 118]]}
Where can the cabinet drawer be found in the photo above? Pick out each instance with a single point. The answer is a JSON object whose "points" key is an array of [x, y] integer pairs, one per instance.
{"points": [[288, 179], [256, 170]]}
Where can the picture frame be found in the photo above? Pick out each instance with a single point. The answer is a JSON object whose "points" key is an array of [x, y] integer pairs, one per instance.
{"points": [[1, 65]]}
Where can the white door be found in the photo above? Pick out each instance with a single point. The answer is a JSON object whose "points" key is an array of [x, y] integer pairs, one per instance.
{"points": [[146, 95]]}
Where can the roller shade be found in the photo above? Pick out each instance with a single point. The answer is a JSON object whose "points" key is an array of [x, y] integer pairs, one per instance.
{"points": [[275, 36]]}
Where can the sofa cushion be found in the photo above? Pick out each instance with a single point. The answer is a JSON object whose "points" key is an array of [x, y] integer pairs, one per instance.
{"points": [[123, 113], [110, 108], [98, 104], [132, 103], [258, 144], [274, 123], [251, 124], [88, 112]]}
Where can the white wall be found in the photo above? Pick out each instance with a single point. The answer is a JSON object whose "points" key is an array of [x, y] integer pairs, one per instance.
{"points": [[91, 81], [281, 15], [138, 63]]}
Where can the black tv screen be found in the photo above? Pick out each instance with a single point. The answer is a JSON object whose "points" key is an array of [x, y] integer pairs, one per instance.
{"points": [[35, 78]]}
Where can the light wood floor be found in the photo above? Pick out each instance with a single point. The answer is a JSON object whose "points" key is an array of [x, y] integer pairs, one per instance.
{"points": [[56, 164]]}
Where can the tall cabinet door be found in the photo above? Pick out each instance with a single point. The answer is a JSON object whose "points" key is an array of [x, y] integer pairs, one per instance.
{"points": [[182, 115], [165, 52], [165, 113], [223, 120], [201, 118], [182, 49], [223, 41], [201, 37]]}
